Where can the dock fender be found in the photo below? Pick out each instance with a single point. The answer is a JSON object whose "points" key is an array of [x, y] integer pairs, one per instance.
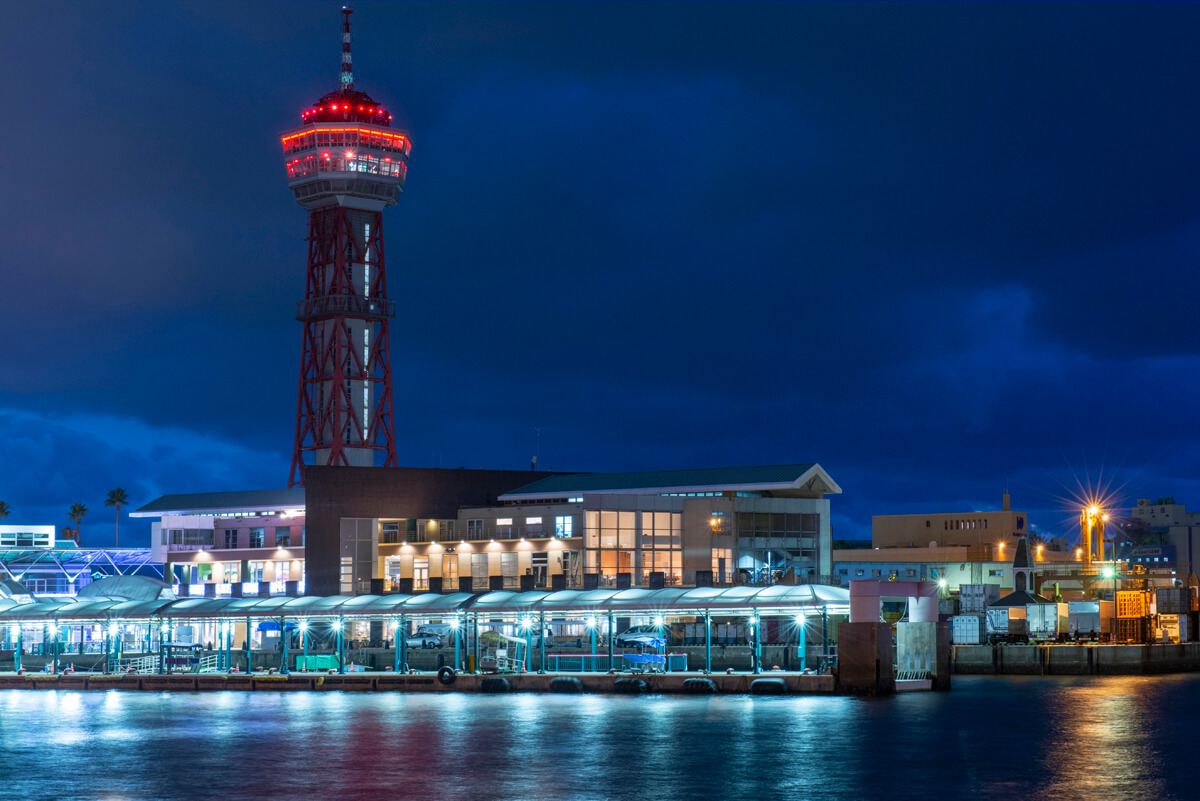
{"points": [[447, 675], [566, 684]]}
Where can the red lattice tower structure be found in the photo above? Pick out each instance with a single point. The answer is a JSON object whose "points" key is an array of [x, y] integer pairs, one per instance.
{"points": [[345, 164]]}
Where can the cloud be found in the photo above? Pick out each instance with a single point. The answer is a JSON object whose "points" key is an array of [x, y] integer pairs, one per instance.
{"points": [[52, 461]]}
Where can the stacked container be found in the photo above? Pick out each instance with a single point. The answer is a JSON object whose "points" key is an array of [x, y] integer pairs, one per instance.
{"points": [[1131, 604], [968, 630], [975, 598], [1046, 621], [1173, 600], [1131, 629], [1088, 620]]}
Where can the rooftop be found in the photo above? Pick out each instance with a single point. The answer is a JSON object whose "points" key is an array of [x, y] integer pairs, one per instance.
{"points": [[808, 476], [199, 503]]}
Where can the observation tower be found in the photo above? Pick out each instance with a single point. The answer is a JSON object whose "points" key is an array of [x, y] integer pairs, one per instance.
{"points": [[345, 164]]}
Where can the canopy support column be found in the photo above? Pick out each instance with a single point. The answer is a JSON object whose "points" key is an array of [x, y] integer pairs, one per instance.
{"points": [[612, 637], [249, 646], [802, 649], [402, 634], [475, 629], [396, 635], [341, 645], [825, 631], [594, 666], [542, 638], [457, 630], [20, 647], [162, 647], [707, 641], [283, 645], [756, 631]]}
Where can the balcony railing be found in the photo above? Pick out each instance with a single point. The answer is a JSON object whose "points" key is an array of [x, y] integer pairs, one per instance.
{"points": [[349, 305]]}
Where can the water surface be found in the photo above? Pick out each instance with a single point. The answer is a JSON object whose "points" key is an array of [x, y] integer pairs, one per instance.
{"points": [[1036, 738]]}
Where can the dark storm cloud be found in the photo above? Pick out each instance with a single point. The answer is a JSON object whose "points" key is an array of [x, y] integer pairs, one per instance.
{"points": [[934, 247]]}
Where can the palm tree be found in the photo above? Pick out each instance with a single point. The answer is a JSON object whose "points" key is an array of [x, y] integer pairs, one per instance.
{"points": [[5, 511], [117, 498], [77, 513]]}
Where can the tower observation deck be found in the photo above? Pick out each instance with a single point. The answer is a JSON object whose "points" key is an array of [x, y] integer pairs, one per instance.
{"points": [[345, 164]]}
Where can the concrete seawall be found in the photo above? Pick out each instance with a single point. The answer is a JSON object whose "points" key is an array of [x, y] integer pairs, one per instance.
{"points": [[1076, 660], [772, 683]]}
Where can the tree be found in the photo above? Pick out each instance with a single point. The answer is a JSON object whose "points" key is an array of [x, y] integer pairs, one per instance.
{"points": [[117, 498], [5, 511], [77, 513]]}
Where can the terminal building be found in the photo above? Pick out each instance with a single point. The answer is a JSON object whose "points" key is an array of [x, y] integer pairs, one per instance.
{"points": [[34, 560], [356, 531]]}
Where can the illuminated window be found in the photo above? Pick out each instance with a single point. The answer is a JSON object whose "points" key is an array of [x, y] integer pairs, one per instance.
{"points": [[256, 540], [563, 526]]}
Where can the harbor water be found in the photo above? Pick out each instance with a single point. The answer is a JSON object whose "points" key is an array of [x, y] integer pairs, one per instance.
{"points": [[991, 737]]}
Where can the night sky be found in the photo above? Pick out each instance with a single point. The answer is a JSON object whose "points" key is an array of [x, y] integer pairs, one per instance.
{"points": [[936, 248]]}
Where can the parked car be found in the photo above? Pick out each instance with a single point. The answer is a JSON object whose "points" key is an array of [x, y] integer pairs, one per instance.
{"points": [[425, 639], [638, 635]]}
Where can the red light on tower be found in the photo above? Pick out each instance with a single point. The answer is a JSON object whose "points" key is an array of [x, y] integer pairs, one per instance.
{"points": [[344, 400]]}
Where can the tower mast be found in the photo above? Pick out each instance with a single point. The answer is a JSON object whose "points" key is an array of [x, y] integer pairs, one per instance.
{"points": [[345, 164]]}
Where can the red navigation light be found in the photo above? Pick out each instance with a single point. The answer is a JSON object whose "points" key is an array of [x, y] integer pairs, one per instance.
{"points": [[324, 155]]}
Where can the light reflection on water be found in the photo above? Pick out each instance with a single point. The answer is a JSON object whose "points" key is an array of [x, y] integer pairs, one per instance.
{"points": [[1052, 738]]}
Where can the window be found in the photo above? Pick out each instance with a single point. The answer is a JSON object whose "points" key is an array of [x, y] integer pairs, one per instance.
{"points": [[256, 540], [875, 573], [231, 538], [910, 573], [283, 536], [389, 532], [995, 573], [283, 571], [858, 572], [533, 526], [504, 527], [474, 529], [563, 526], [256, 571]]}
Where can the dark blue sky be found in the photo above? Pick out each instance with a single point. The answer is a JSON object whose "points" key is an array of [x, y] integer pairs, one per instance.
{"points": [[936, 248]]}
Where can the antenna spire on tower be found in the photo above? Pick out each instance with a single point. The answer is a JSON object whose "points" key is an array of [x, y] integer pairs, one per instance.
{"points": [[347, 65]]}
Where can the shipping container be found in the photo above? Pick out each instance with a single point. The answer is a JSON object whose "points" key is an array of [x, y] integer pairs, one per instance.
{"points": [[968, 630], [947, 606], [1130, 630], [1173, 600], [975, 598], [1088, 620], [1046, 621], [1131, 604], [1168, 627], [1007, 624]]}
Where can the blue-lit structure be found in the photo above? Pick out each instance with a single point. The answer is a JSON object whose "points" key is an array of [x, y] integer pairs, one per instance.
{"points": [[154, 619]]}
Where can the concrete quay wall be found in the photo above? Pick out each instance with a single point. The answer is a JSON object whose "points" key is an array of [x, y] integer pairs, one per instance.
{"points": [[772, 683], [1076, 660]]}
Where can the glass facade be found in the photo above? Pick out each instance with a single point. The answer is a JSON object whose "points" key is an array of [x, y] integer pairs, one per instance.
{"points": [[633, 542]]}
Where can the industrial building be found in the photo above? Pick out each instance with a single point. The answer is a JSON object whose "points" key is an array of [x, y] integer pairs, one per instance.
{"points": [[353, 531]]}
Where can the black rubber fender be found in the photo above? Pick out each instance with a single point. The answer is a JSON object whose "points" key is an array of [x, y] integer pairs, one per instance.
{"points": [[698, 686], [447, 675], [630, 685], [495, 684], [566, 684], [768, 687]]}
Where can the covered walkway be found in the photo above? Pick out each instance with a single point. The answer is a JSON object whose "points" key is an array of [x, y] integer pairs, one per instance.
{"points": [[147, 624]]}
